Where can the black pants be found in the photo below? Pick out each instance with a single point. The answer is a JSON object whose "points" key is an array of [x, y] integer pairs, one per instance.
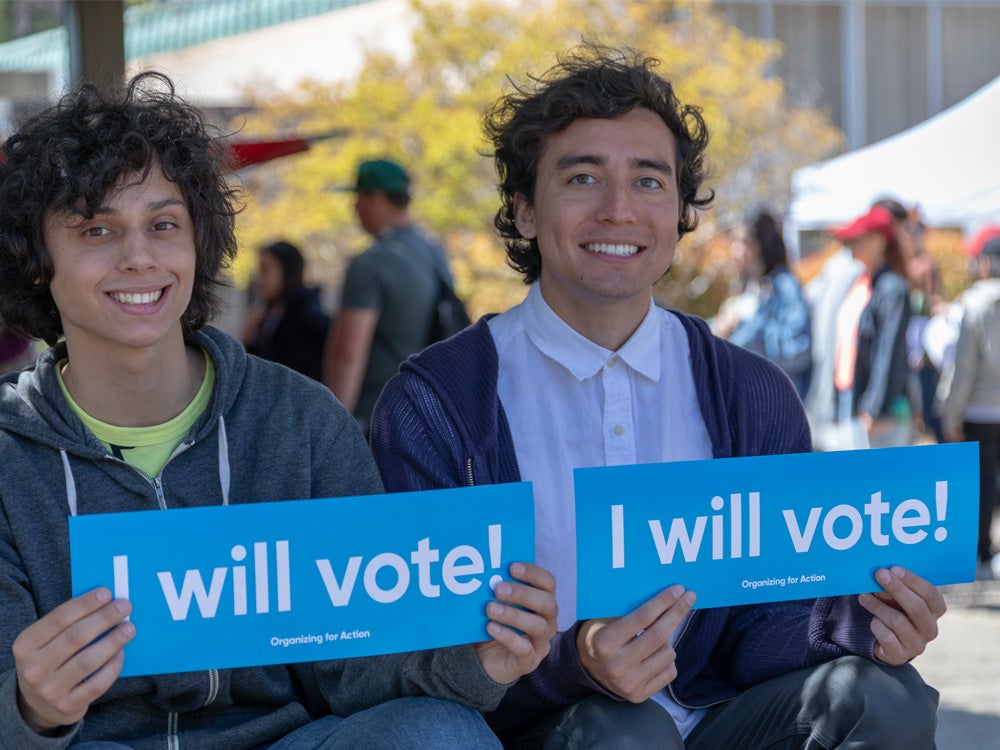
{"points": [[846, 703], [988, 436]]}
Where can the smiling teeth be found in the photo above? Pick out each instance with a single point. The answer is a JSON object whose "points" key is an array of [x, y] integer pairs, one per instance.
{"points": [[608, 249], [129, 298]]}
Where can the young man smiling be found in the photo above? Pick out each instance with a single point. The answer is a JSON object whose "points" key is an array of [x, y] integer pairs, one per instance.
{"points": [[600, 172], [116, 220]]}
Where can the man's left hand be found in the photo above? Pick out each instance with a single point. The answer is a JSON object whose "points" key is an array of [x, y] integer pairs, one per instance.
{"points": [[906, 614]]}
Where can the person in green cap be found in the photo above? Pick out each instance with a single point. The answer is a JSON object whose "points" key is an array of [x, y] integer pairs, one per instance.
{"points": [[390, 292]]}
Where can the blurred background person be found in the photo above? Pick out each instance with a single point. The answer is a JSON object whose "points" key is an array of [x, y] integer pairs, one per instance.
{"points": [[871, 369], [926, 297], [969, 391], [287, 323], [927, 300], [824, 295], [390, 292], [779, 328], [744, 292]]}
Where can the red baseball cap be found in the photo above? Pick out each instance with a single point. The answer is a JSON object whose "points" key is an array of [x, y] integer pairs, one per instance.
{"points": [[975, 246], [878, 220]]}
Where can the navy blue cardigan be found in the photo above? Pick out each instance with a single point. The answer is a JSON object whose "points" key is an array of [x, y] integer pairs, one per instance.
{"points": [[439, 423]]}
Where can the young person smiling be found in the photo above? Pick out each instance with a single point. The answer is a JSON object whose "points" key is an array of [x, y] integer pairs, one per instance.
{"points": [[601, 171], [116, 219]]}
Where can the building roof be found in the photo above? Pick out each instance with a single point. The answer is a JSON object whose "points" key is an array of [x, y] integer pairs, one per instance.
{"points": [[166, 26]]}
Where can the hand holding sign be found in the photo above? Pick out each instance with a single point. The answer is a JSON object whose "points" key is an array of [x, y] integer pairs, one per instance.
{"points": [[906, 614], [632, 656], [62, 667], [510, 654]]}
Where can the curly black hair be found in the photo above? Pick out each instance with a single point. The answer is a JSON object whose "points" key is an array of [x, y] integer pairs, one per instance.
{"points": [[589, 81], [72, 155]]}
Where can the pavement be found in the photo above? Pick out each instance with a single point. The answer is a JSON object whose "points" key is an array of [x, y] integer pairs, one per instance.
{"points": [[963, 663]]}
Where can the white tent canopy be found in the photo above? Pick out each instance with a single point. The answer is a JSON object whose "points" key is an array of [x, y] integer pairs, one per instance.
{"points": [[949, 165]]}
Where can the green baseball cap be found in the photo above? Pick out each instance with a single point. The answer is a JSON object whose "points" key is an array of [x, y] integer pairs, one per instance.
{"points": [[381, 174]]}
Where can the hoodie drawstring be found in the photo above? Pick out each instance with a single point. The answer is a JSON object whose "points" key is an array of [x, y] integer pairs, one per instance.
{"points": [[225, 473], [70, 484], [224, 470]]}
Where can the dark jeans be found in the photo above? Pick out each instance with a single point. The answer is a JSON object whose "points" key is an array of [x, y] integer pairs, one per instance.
{"points": [[850, 703], [417, 723], [988, 436], [927, 377]]}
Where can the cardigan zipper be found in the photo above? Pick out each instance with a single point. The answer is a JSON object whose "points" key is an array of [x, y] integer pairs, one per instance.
{"points": [[670, 687], [173, 739]]}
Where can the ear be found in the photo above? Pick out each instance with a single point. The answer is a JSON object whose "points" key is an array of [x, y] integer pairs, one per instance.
{"points": [[524, 217]]}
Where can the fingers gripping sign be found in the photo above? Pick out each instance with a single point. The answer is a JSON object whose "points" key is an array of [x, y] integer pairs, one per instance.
{"points": [[631, 656], [70, 657], [522, 623], [905, 614]]}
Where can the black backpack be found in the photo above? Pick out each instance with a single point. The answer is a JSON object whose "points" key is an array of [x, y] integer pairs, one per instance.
{"points": [[450, 315]]}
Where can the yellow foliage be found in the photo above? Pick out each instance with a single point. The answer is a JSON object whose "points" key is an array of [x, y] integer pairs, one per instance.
{"points": [[947, 248], [426, 112]]}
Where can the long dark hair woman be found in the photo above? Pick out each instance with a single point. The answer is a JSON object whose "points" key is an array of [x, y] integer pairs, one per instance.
{"points": [[287, 324], [780, 328]]}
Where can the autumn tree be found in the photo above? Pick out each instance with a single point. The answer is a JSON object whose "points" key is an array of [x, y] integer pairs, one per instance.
{"points": [[425, 109]]}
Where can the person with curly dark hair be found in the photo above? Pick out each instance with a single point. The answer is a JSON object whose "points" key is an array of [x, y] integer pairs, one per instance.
{"points": [[71, 163], [520, 123], [601, 173], [116, 219]]}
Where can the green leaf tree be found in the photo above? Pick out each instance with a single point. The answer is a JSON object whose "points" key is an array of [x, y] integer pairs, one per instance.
{"points": [[425, 110]]}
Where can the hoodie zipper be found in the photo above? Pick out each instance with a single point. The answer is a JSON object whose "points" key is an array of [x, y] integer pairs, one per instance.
{"points": [[173, 740], [213, 674]]}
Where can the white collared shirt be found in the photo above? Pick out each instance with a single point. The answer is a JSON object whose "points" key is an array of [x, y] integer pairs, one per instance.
{"points": [[572, 404]]}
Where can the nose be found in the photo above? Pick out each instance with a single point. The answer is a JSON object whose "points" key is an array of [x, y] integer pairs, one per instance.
{"points": [[616, 204], [137, 252]]}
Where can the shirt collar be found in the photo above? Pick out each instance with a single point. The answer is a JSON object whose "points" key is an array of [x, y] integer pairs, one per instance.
{"points": [[558, 341], [389, 231]]}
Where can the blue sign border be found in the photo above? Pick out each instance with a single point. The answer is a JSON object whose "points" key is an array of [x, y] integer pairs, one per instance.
{"points": [[752, 513], [256, 583]]}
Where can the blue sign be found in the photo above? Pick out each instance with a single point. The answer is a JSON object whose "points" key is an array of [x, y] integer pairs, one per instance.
{"points": [[304, 580], [771, 528]]}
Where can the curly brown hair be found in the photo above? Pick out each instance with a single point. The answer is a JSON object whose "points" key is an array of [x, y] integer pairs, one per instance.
{"points": [[589, 81], [72, 155]]}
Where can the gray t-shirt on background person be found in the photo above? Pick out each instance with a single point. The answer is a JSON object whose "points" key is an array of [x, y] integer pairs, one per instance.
{"points": [[398, 276]]}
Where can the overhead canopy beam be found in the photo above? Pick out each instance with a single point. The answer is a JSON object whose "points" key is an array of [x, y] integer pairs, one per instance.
{"points": [[96, 41]]}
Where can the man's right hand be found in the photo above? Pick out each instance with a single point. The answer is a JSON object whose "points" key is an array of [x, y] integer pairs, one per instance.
{"points": [[61, 665], [631, 656]]}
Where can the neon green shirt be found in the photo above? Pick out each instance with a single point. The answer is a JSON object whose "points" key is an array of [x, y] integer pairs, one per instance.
{"points": [[146, 448]]}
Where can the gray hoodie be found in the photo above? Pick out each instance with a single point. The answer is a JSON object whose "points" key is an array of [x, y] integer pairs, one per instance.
{"points": [[267, 434]]}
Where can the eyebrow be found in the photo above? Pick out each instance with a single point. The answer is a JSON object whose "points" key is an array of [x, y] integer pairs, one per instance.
{"points": [[151, 206], [157, 205], [573, 160]]}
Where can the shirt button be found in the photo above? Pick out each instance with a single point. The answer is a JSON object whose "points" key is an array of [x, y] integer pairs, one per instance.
{"points": [[619, 429], [613, 361]]}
